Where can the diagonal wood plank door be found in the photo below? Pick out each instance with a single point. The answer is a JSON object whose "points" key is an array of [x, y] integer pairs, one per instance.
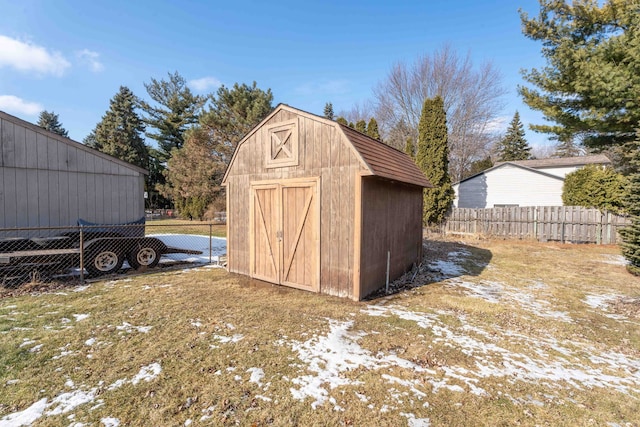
{"points": [[300, 252], [285, 243], [264, 218]]}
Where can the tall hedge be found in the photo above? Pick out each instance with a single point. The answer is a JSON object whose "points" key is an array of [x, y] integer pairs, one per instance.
{"points": [[595, 186], [432, 157]]}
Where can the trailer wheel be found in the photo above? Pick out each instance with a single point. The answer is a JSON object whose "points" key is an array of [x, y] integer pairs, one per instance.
{"points": [[103, 261], [147, 256]]}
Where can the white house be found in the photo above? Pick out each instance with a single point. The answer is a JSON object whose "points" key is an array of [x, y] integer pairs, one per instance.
{"points": [[521, 183]]}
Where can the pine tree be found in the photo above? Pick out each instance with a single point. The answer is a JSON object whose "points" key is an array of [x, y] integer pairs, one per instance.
{"points": [[433, 159], [361, 126], [119, 133], [328, 110], [631, 235], [351, 125], [194, 172], [49, 121], [589, 85], [372, 129], [567, 148], [342, 121], [410, 148], [176, 110], [479, 166], [513, 146]]}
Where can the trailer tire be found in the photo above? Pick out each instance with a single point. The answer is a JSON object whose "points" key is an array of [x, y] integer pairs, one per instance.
{"points": [[103, 261], [144, 256]]}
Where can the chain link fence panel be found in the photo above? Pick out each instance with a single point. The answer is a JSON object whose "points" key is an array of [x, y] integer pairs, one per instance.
{"points": [[90, 251]]}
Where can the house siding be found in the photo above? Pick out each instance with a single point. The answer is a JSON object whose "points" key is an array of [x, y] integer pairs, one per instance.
{"points": [[509, 185]]}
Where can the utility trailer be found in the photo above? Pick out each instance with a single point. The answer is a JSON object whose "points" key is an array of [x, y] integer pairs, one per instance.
{"points": [[102, 252]]}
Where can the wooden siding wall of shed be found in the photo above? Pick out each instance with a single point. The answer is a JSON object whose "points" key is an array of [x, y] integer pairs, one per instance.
{"points": [[322, 153], [391, 221], [47, 183]]}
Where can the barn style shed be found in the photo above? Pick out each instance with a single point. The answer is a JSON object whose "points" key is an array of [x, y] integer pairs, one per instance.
{"points": [[318, 206], [47, 180]]}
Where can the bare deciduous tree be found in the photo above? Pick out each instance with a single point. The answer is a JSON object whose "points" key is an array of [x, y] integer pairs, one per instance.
{"points": [[472, 99]]}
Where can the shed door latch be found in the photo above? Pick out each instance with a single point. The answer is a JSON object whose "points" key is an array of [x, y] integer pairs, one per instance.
{"points": [[279, 235]]}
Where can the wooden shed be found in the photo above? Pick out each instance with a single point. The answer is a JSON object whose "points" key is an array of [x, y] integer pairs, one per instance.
{"points": [[318, 206], [47, 180]]}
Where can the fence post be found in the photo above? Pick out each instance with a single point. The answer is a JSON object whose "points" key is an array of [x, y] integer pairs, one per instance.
{"points": [[210, 238], [81, 255]]}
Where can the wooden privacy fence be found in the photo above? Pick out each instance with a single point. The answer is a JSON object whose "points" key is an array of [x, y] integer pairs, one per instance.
{"points": [[543, 223]]}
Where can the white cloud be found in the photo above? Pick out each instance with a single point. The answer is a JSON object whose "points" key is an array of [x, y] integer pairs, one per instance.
{"points": [[205, 83], [29, 57], [90, 58], [497, 125], [13, 104]]}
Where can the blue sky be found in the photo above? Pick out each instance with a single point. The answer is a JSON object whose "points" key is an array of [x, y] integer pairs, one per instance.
{"points": [[72, 56]]}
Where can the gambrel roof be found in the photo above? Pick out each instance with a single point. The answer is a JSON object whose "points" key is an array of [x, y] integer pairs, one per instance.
{"points": [[378, 158]]}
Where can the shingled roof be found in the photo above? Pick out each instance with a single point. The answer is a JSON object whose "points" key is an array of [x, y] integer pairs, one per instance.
{"points": [[599, 159], [385, 161]]}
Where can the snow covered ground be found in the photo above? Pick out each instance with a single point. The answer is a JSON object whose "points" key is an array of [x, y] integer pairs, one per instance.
{"points": [[194, 242]]}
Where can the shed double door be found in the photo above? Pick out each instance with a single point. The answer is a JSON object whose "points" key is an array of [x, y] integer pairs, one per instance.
{"points": [[284, 225]]}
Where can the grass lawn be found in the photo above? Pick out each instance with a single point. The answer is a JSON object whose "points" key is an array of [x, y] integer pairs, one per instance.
{"points": [[494, 333], [185, 226]]}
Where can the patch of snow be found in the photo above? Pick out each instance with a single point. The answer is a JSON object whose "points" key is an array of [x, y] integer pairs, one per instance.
{"points": [[8, 307], [616, 370], [196, 323], [26, 341], [81, 288], [80, 317], [147, 373], [128, 328], [91, 341], [12, 382], [451, 266], [25, 417], [265, 398], [495, 292], [224, 340], [615, 260], [412, 421], [67, 402], [69, 383], [188, 422], [188, 241], [257, 374], [110, 422], [36, 348], [65, 320], [328, 357]]}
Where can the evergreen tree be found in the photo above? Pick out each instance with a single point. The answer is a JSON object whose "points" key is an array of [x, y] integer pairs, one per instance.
{"points": [[194, 172], [361, 126], [631, 235], [328, 110], [479, 166], [433, 159], [410, 148], [351, 125], [372, 129], [589, 86], [595, 186], [176, 110], [513, 146], [342, 121], [567, 148], [119, 133], [49, 121]]}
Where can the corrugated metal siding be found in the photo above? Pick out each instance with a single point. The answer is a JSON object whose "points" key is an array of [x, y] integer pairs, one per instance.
{"points": [[509, 185], [47, 182]]}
